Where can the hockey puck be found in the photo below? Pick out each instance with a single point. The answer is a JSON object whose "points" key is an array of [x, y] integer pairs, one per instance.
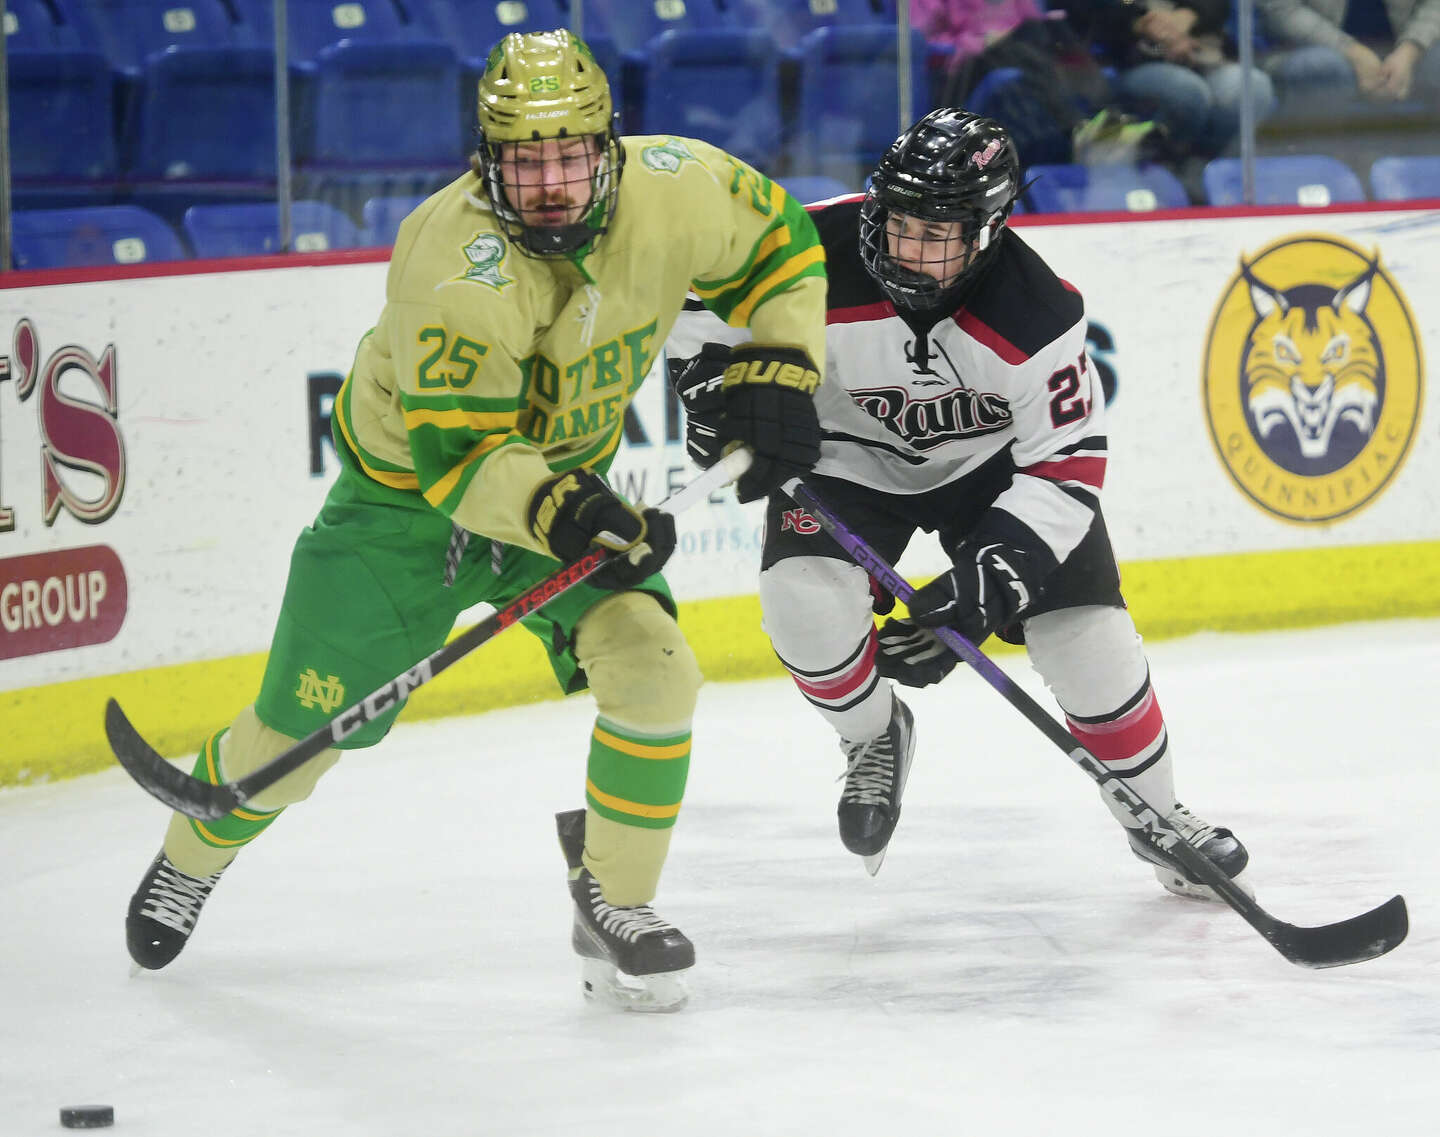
{"points": [[87, 1116]]}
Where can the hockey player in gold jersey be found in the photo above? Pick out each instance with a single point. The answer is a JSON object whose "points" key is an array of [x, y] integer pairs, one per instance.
{"points": [[525, 304]]}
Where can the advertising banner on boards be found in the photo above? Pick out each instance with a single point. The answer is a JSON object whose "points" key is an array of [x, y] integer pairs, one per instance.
{"points": [[163, 439]]}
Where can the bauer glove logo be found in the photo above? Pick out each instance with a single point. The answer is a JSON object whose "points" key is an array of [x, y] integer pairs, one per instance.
{"points": [[772, 371]]}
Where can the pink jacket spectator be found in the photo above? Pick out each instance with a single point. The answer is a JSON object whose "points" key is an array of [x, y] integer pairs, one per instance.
{"points": [[969, 26]]}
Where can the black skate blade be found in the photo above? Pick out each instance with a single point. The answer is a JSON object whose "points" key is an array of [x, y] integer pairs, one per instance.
{"points": [[157, 777], [1367, 936]]}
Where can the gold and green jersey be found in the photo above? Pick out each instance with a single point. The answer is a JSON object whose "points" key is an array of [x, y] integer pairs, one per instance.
{"points": [[489, 369]]}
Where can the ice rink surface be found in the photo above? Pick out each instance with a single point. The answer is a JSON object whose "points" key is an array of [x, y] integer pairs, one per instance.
{"points": [[392, 958]]}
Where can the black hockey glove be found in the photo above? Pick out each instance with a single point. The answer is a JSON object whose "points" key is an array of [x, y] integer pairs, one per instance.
{"points": [[697, 381], [568, 513], [912, 655], [770, 407], [991, 584]]}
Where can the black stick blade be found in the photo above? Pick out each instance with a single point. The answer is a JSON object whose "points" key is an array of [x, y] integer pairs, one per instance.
{"points": [[1367, 936], [158, 777]]}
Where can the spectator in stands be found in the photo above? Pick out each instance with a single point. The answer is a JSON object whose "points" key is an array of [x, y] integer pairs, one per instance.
{"points": [[1336, 53], [1026, 68], [1173, 63], [966, 27]]}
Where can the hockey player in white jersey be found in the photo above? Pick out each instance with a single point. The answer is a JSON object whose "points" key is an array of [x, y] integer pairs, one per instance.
{"points": [[959, 399]]}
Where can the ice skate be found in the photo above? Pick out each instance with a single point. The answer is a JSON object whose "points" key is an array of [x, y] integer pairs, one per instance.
{"points": [[1221, 846], [875, 774], [631, 959], [163, 912]]}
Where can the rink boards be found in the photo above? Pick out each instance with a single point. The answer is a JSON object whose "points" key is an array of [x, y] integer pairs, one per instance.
{"points": [[164, 437]]}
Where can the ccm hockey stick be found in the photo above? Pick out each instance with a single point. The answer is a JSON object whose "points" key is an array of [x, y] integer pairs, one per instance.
{"points": [[205, 802], [1362, 937]]}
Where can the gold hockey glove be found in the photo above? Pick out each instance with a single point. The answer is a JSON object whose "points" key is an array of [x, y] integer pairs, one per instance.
{"points": [[570, 512]]}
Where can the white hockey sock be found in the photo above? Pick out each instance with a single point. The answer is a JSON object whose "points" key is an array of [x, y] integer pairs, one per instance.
{"points": [[818, 615], [1091, 659]]}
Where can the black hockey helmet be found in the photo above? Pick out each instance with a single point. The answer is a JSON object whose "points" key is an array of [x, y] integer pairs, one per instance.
{"points": [[952, 165]]}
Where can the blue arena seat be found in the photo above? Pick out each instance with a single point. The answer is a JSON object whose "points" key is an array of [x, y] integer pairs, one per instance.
{"points": [[316, 24], [631, 24], [30, 25], [849, 104], [722, 86], [99, 235], [1405, 177], [381, 217], [62, 116], [128, 31], [473, 27], [253, 229], [1288, 179], [206, 113], [611, 61], [819, 13], [1134, 189], [789, 21], [388, 105], [78, 26]]}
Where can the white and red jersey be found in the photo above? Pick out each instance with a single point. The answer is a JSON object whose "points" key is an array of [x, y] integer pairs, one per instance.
{"points": [[991, 421], [905, 413]]}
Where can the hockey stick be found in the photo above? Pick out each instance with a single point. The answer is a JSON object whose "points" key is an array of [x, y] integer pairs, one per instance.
{"points": [[205, 802], [1362, 937]]}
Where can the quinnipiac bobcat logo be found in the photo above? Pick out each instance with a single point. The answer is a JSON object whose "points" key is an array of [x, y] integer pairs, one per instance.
{"points": [[1312, 378]]}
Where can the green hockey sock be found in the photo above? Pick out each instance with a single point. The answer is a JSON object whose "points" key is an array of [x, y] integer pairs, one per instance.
{"points": [[636, 778], [239, 826]]}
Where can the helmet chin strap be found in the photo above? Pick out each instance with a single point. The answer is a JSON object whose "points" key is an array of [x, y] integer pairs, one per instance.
{"points": [[931, 305], [554, 240], [910, 289], [920, 290], [982, 240]]}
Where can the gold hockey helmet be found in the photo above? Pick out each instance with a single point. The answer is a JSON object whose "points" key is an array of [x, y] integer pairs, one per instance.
{"points": [[539, 86], [542, 85]]}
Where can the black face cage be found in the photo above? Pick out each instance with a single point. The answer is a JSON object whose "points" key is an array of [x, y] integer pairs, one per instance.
{"points": [[979, 232], [557, 241]]}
